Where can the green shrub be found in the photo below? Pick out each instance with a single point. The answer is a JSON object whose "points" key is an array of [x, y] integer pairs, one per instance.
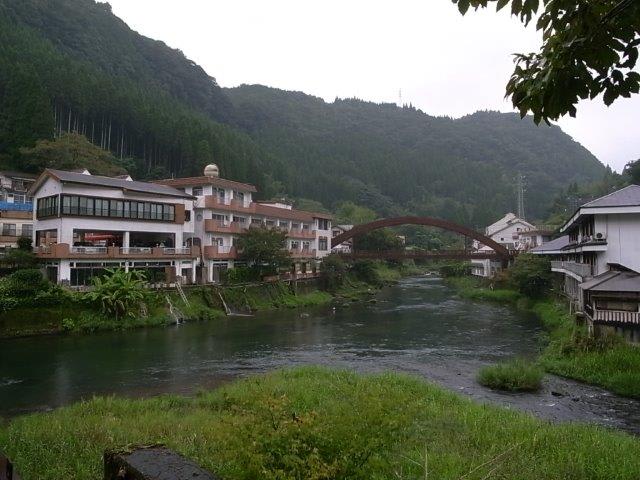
{"points": [[118, 293], [531, 275], [366, 271], [457, 269], [333, 270], [26, 282], [513, 376]]}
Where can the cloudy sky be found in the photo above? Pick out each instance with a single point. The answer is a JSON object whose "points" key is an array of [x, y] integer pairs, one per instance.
{"points": [[443, 63]]}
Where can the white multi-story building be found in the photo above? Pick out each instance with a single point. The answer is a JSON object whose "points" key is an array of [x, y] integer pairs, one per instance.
{"points": [[506, 232], [601, 261], [85, 223], [224, 209]]}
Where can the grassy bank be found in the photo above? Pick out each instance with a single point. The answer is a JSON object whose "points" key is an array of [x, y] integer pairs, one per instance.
{"points": [[607, 362], [315, 423]]}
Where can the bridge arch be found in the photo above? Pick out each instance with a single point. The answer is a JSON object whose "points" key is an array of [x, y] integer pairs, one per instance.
{"points": [[500, 250]]}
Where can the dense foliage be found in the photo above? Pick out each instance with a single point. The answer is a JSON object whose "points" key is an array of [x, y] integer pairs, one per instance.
{"points": [[72, 66], [119, 293], [397, 160], [264, 248], [531, 275], [589, 48]]}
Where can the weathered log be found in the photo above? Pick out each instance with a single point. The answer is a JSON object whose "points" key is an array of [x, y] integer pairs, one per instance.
{"points": [[6, 469], [152, 463]]}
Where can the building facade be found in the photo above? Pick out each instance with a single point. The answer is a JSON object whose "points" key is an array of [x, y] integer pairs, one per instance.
{"points": [[506, 231], [16, 218], [600, 262], [225, 209], [85, 223]]}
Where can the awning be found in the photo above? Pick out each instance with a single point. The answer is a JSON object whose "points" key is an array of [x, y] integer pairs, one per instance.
{"points": [[613, 281]]}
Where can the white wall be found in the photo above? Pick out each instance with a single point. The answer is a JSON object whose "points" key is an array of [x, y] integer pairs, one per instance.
{"points": [[623, 240]]}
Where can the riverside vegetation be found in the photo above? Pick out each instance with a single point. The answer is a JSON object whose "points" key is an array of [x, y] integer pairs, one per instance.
{"points": [[608, 361], [316, 423], [31, 305]]}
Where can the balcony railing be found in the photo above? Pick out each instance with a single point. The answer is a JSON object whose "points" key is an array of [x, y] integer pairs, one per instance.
{"points": [[616, 316], [136, 250], [211, 225], [580, 269], [220, 252], [177, 250], [302, 253], [302, 233], [212, 201], [89, 250]]}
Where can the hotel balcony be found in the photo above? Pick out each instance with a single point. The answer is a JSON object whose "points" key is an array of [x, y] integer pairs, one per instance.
{"points": [[613, 316], [64, 252], [302, 253], [217, 203], [220, 252], [217, 226], [307, 234], [574, 269]]}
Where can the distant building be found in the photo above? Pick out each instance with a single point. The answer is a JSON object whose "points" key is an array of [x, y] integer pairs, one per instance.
{"points": [[15, 208], [345, 247], [224, 209], [599, 259], [505, 231]]}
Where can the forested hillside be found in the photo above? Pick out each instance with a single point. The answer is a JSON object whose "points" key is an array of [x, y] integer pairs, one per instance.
{"points": [[402, 159], [72, 66]]}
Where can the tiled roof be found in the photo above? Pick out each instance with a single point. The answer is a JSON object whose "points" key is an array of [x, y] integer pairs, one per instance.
{"points": [[269, 211], [553, 245], [625, 197], [201, 181], [109, 182], [613, 281]]}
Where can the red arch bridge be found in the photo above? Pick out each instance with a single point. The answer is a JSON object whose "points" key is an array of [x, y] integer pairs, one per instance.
{"points": [[499, 253]]}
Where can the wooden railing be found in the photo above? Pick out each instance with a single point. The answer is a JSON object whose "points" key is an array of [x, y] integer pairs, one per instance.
{"points": [[616, 316]]}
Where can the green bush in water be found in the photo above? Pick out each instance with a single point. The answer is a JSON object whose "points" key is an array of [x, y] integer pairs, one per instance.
{"points": [[513, 376]]}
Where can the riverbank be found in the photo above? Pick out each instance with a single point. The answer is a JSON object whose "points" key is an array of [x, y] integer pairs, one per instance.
{"points": [[74, 316], [608, 362], [300, 424]]}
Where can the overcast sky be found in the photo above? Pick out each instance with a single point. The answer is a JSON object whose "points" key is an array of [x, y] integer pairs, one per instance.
{"points": [[443, 63]]}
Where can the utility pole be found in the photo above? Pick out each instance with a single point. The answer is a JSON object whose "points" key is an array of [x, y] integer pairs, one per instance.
{"points": [[520, 195]]}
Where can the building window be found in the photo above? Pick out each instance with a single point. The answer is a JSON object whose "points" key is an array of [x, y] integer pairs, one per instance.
{"points": [[306, 245], [27, 230], [323, 224], [240, 220], [218, 192], [187, 215], [239, 196], [295, 245], [9, 229], [323, 244], [47, 207], [197, 191], [99, 207]]}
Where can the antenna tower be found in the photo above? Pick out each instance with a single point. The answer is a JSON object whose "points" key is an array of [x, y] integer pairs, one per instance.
{"points": [[520, 195]]}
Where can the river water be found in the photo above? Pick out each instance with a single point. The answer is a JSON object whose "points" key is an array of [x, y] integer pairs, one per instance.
{"points": [[419, 326]]}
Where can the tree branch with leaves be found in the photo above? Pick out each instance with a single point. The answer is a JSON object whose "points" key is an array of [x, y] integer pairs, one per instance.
{"points": [[589, 47]]}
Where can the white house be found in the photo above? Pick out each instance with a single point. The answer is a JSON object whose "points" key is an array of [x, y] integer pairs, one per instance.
{"points": [[85, 223], [600, 264], [224, 209], [506, 231]]}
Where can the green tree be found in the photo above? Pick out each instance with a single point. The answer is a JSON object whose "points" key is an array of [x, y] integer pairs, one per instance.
{"points": [[264, 248], [531, 274], [348, 213], [381, 240], [589, 47], [333, 271], [632, 170], [68, 152], [119, 293]]}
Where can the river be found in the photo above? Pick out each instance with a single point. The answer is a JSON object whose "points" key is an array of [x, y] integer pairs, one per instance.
{"points": [[419, 326]]}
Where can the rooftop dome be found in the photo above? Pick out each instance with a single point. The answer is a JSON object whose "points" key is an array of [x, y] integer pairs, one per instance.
{"points": [[211, 170]]}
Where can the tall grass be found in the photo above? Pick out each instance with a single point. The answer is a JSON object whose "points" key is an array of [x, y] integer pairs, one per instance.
{"points": [[513, 376], [314, 423]]}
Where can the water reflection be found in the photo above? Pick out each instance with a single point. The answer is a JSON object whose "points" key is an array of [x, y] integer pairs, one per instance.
{"points": [[419, 326]]}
